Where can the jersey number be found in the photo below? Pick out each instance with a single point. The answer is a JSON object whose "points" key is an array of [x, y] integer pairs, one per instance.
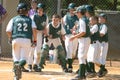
{"points": [[22, 27]]}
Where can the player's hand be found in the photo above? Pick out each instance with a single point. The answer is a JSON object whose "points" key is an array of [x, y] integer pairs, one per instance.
{"points": [[34, 43], [10, 41], [46, 39], [74, 33]]}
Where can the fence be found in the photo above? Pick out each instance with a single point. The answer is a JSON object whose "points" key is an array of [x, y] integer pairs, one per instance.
{"points": [[110, 7]]}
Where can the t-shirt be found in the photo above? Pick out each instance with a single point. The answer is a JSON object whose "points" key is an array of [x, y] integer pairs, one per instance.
{"points": [[2, 10]]}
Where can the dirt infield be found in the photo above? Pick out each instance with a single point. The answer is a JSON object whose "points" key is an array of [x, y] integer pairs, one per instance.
{"points": [[54, 72]]}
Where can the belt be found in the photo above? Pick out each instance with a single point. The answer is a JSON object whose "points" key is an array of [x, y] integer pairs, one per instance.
{"points": [[92, 42]]}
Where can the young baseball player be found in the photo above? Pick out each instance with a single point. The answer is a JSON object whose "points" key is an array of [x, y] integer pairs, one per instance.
{"points": [[94, 48], [89, 65], [69, 21], [20, 30], [31, 13], [55, 30], [84, 41], [89, 13], [103, 30], [41, 20]]}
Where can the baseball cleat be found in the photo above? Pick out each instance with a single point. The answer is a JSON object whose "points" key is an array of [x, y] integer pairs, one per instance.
{"points": [[35, 67], [102, 73], [65, 70], [24, 70], [91, 74], [70, 70], [17, 71], [30, 68]]}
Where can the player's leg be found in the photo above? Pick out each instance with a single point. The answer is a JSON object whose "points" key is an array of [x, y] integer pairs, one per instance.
{"points": [[26, 46], [37, 50], [69, 51], [74, 47], [44, 52], [16, 58], [104, 49], [62, 58], [91, 59], [82, 55], [30, 59]]}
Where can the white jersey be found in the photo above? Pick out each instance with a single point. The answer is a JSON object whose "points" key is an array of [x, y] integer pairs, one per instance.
{"points": [[94, 29]]}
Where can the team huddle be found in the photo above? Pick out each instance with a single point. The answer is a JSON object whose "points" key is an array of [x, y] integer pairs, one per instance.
{"points": [[31, 35]]}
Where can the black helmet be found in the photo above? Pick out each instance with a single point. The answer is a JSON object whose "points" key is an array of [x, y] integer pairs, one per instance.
{"points": [[81, 9], [22, 6], [40, 5], [71, 6], [89, 8]]}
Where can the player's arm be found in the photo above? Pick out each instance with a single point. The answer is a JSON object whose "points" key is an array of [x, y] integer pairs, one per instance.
{"points": [[63, 32], [82, 31], [94, 29], [9, 30], [103, 31], [34, 31], [63, 21], [45, 29], [79, 35]]}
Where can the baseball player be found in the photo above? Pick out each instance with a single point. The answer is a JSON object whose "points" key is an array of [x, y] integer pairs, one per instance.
{"points": [[55, 31], [20, 30], [89, 13], [90, 69], [31, 13], [69, 21], [103, 30], [84, 41], [94, 48], [41, 20]]}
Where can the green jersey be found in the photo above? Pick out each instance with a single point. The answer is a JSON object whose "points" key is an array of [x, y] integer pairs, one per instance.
{"points": [[22, 27], [54, 32], [70, 22], [40, 21], [95, 36]]}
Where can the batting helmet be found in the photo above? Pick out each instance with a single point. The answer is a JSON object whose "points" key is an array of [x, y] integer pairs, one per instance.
{"points": [[103, 15], [40, 5], [89, 8], [71, 6], [81, 9], [22, 7]]}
